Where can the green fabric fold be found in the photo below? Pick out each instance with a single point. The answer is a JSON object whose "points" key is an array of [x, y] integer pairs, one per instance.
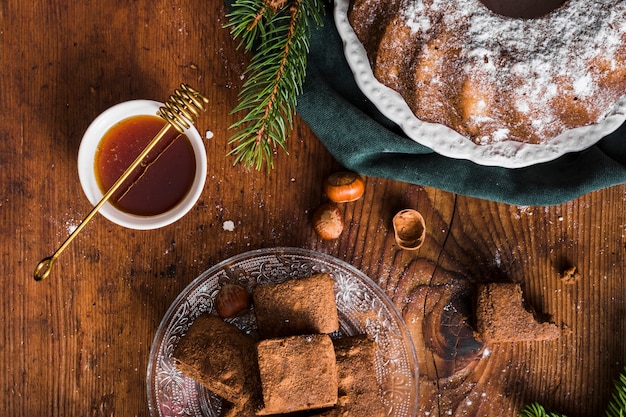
{"points": [[363, 140]]}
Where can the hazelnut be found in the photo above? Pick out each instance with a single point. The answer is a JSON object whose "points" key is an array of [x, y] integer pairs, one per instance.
{"points": [[231, 300], [328, 221], [344, 186]]}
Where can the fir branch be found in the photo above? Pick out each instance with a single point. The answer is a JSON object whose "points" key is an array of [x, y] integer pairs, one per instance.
{"points": [[279, 40]]}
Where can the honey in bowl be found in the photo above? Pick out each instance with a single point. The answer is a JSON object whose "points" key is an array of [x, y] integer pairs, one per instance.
{"points": [[161, 181]]}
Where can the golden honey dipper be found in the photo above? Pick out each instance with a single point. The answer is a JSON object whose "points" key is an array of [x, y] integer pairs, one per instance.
{"points": [[180, 112]]}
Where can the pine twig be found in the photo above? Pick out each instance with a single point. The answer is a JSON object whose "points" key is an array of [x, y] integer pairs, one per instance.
{"points": [[277, 33]]}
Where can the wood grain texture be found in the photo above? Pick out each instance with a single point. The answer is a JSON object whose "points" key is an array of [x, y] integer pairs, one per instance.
{"points": [[78, 344]]}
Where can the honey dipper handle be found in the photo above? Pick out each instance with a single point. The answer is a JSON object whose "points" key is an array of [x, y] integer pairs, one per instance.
{"points": [[43, 268]]}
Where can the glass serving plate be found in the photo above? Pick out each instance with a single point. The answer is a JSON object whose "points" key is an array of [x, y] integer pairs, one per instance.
{"points": [[362, 306], [447, 142]]}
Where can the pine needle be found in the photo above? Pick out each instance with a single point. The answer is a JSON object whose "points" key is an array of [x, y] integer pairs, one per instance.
{"points": [[536, 410], [279, 42], [617, 405]]}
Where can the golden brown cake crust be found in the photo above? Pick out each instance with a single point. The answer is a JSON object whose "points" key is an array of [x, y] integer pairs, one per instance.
{"points": [[297, 373], [298, 306], [502, 317]]}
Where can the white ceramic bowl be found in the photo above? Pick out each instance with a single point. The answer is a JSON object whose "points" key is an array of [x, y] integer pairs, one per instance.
{"points": [[87, 175]]}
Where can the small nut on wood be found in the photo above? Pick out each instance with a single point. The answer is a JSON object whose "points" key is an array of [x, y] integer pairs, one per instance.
{"points": [[409, 229], [327, 221], [344, 186]]}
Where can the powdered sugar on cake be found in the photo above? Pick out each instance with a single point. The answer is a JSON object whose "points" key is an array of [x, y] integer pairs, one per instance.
{"points": [[446, 96], [494, 78]]}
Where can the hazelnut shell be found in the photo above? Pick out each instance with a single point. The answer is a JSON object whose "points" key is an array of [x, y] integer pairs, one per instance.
{"points": [[409, 229]]}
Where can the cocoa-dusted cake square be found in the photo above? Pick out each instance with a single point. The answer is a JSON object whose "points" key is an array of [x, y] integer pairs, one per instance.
{"points": [[502, 317], [222, 358], [298, 306], [297, 373], [358, 388]]}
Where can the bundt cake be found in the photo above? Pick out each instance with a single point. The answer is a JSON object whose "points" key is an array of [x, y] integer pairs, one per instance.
{"points": [[491, 77]]}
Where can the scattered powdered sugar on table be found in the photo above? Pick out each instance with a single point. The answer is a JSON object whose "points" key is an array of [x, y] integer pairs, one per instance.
{"points": [[71, 225]]}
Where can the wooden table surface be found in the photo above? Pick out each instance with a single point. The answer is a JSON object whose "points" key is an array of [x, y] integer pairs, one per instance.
{"points": [[78, 343]]}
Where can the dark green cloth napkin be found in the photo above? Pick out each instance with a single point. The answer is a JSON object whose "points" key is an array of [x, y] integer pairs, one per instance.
{"points": [[363, 140]]}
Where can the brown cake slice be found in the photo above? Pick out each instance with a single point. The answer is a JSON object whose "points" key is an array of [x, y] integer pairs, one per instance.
{"points": [[297, 373], [502, 317], [296, 307], [222, 358], [358, 388]]}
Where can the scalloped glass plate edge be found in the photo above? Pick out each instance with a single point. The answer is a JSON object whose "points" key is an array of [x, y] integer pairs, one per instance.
{"points": [[362, 305], [446, 141]]}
